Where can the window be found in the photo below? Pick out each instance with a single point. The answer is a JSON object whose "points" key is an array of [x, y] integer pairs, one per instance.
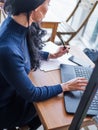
{"points": [[90, 33]]}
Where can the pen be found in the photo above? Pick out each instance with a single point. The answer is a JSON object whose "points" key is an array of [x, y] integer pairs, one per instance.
{"points": [[64, 45]]}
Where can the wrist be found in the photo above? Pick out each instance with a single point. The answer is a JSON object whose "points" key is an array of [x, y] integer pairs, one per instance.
{"points": [[52, 56], [65, 87]]}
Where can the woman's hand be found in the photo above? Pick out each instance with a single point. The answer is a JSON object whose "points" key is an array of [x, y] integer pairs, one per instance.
{"points": [[61, 51], [78, 83]]}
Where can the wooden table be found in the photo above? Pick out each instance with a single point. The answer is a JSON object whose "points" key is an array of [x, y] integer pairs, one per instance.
{"points": [[52, 112], [51, 21], [52, 25]]}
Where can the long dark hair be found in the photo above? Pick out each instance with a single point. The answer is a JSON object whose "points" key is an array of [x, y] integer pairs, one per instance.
{"points": [[34, 35], [35, 44]]}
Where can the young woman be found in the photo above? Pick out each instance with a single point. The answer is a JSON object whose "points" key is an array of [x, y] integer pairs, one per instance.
{"points": [[20, 52]]}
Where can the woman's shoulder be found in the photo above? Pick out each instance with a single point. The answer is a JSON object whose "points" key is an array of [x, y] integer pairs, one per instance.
{"points": [[10, 51]]}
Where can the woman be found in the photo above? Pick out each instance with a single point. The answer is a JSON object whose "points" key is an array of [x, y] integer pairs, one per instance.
{"points": [[20, 52]]}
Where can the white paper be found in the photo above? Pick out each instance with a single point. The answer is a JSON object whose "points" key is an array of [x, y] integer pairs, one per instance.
{"points": [[53, 64]]}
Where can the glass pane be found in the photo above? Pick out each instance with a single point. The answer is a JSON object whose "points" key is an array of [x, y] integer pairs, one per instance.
{"points": [[91, 31]]}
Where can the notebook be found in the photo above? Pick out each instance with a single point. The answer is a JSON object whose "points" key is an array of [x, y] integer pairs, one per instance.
{"points": [[73, 98]]}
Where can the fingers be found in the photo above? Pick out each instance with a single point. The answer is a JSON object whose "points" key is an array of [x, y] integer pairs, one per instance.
{"points": [[78, 83], [82, 80], [81, 83], [65, 48], [61, 51], [82, 88]]}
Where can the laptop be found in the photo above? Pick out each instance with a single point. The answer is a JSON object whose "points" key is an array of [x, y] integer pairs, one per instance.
{"points": [[73, 98], [86, 100]]}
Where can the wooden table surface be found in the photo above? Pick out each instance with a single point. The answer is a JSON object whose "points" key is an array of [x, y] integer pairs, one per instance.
{"points": [[52, 111]]}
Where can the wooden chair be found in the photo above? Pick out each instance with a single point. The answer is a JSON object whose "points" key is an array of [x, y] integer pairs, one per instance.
{"points": [[74, 10], [2, 13], [66, 31], [53, 25]]}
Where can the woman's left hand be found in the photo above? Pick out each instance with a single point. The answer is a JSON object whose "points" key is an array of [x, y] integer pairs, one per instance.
{"points": [[61, 51]]}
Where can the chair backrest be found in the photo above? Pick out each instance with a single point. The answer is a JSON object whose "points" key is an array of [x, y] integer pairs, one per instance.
{"points": [[86, 11], [73, 11], [76, 21]]}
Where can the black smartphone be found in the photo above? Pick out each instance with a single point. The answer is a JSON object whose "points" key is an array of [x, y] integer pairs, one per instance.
{"points": [[78, 61]]}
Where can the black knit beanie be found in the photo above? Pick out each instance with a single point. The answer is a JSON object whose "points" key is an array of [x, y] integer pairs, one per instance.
{"points": [[22, 6]]}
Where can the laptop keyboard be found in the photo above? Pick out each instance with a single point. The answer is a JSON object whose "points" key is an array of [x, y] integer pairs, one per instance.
{"points": [[84, 72], [94, 104]]}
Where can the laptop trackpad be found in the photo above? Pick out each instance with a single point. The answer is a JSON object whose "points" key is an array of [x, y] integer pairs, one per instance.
{"points": [[67, 72]]}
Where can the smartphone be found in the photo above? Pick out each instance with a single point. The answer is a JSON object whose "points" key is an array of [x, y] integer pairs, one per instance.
{"points": [[78, 61]]}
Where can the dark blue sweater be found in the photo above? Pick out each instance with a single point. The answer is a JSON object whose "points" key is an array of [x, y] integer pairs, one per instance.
{"points": [[15, 67]]}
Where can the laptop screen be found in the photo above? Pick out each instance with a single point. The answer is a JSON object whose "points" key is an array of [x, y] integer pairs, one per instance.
{"points": [[86, 100]]}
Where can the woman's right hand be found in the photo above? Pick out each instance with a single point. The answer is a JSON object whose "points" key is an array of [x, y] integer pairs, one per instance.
{"points": [[78, 83]]}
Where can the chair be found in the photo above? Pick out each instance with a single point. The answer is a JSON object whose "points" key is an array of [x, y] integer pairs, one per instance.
{"points": [[74, 10], [2, 13], [53, 25], [66, 30]]}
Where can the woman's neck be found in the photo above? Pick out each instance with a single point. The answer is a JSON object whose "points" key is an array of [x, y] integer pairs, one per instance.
{"points": [[21, 19]]}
